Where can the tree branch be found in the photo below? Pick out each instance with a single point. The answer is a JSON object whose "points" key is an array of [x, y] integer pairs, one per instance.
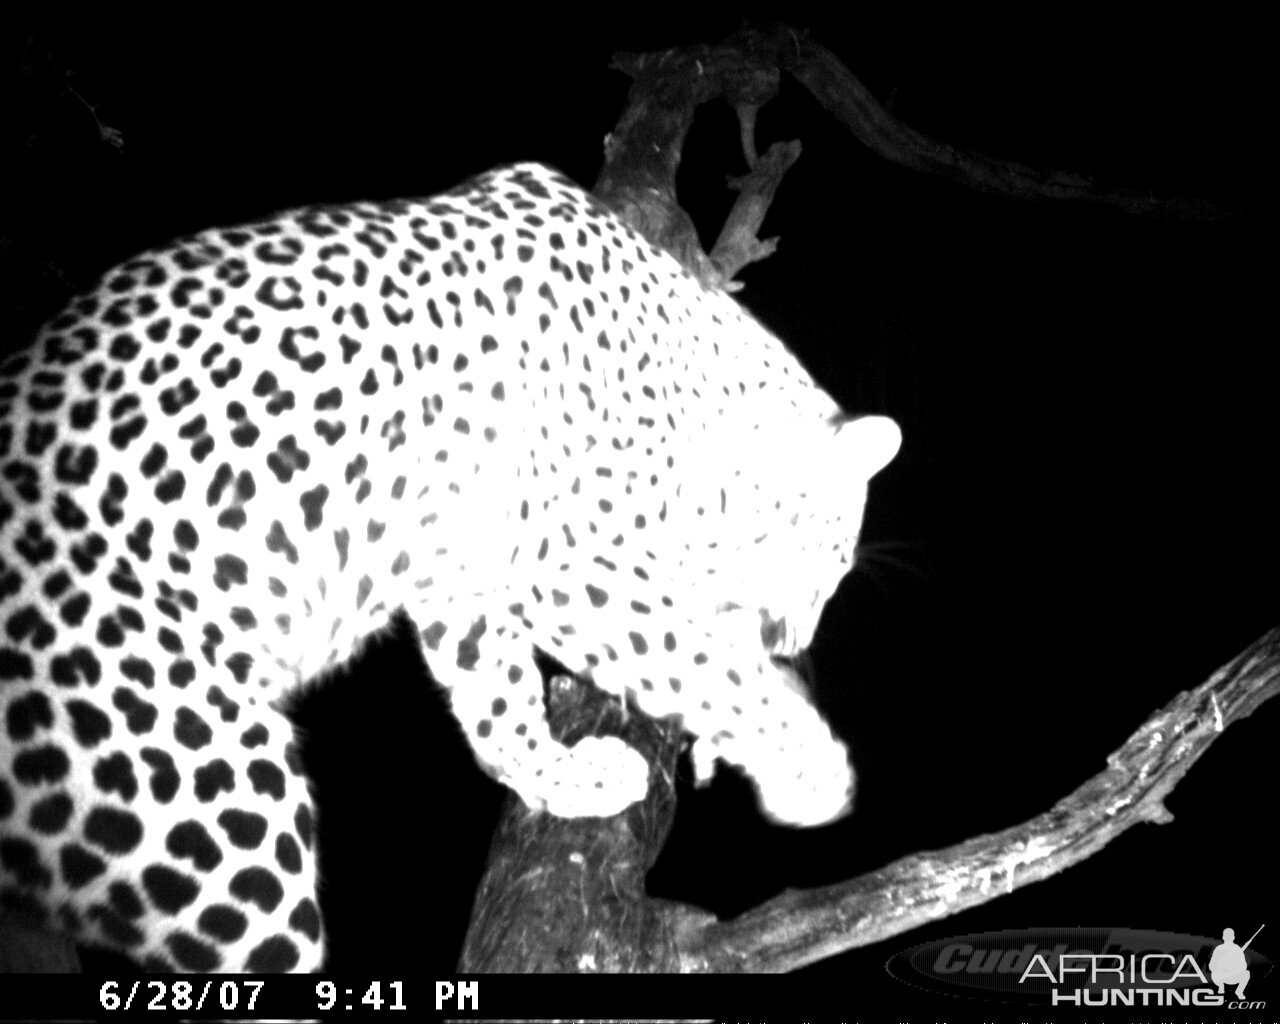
{"points": [[801, 927], [851, 103]]}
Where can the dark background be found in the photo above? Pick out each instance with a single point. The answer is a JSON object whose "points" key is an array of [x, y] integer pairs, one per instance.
{"points": [[1080, 523]]}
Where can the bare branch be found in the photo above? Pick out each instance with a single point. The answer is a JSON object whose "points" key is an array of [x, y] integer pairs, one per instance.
{"points": [[642, 155], [739, 243], [841, 93], [801, 927]]}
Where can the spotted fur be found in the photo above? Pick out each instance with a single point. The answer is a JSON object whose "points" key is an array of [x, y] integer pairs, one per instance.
{"points": [[498, 410]]}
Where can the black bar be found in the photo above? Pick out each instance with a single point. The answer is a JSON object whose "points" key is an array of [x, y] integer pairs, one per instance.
{"points": [[47, 997]]}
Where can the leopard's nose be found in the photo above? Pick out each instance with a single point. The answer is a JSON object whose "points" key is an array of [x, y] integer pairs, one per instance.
{"points": [[773, 632]]}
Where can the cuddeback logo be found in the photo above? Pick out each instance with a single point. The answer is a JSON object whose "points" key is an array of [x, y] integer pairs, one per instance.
{"points": [[1089, 967]]}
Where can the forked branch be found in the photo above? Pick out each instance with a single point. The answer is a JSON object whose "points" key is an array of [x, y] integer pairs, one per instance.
{"points": [[643, 153]]}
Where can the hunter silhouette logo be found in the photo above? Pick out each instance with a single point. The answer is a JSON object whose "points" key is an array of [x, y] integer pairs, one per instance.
{"points": [[1227, 965]]}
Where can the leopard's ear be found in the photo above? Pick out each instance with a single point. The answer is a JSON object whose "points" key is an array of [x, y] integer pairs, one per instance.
{"points": [[868, 442]]}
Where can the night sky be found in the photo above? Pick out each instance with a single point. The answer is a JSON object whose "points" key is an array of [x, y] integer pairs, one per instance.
{"points": [[1078, 526]]}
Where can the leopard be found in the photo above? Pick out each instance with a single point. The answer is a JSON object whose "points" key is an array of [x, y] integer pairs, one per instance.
{"points": [[497, 411]]}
